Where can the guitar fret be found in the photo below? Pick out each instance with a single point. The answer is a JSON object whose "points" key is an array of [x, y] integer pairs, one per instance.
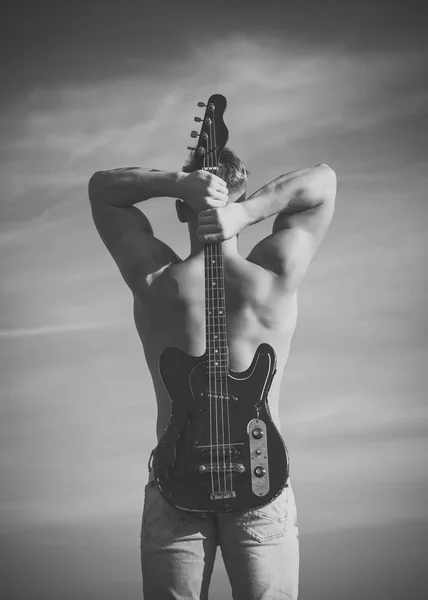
{"points": [[218, 363]]}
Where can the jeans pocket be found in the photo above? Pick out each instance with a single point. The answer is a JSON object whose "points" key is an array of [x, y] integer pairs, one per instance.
{"points": [[161, 521], [268, 522]]}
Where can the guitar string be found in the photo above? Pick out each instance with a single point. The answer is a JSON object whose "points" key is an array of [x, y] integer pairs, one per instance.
{"points": [[221, 319], [207, 322], [211, 357], [227, 358], [210, 375], [216, 317], [223, 358], [213, 376], [216, 364]]}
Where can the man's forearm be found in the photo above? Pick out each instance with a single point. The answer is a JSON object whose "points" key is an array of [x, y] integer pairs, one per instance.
{"points": [[128, 186], [290, 193]]}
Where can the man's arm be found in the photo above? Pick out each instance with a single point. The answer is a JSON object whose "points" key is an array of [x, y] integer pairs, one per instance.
{"points": [[304, 204], [126, 231], [130, 185]]}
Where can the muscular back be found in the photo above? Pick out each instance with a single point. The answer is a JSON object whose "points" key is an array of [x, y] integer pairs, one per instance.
{"points": [[170, 312], [260, 291]]}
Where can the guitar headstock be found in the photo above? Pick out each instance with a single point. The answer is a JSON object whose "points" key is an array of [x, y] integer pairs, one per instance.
{"points": [[213, 135]]}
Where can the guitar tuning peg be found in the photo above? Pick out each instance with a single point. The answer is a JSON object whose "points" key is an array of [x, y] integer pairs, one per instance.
{"points": [[201, 104], [191, 148], [194, 134], [197, 119]]}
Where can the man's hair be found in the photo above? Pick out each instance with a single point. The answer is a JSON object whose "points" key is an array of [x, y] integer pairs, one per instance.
{"points": [[230, 168]]}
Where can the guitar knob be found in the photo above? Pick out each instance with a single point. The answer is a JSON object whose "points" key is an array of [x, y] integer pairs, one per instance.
{"points": [[201, 104], [194, 134], [257, 433], [259, 471]]}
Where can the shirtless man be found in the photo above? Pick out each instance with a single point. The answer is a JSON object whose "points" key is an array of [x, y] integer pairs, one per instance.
{"points": [[260, 547]]}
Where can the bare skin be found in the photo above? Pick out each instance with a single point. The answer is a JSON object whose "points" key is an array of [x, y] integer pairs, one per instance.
{"points": [[261, 289]]}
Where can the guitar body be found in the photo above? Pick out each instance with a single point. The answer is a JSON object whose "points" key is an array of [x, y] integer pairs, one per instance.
{"points": [[217, 439]]}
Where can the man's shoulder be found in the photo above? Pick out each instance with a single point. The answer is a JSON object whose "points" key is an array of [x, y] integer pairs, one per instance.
{"points": [[284, 260]]}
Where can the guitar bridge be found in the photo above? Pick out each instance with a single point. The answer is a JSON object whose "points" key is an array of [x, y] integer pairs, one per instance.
{"points": [[225, 467], [222, 495]]}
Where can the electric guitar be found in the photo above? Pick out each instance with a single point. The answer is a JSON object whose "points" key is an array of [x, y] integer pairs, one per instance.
{"points": [[220, 451]]}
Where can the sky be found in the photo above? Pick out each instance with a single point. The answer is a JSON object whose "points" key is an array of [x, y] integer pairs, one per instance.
{"points": [[99, 85]]}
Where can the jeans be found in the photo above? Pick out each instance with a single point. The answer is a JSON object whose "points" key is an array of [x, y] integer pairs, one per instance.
{"points": [[260, 549]]}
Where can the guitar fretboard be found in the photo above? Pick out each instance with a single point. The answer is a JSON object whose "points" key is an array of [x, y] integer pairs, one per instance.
{"points": [[215, 312]]}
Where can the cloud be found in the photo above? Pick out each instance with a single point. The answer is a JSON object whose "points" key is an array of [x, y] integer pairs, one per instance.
{"points": [[19, 332], [52, 147]]}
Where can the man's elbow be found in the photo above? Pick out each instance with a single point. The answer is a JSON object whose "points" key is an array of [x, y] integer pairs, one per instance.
{"points": [[326, 183], [95, 186], [326, 172]]}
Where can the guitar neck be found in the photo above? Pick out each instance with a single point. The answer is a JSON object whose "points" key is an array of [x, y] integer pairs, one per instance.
{"points": [[212, 140], [215, 311]]}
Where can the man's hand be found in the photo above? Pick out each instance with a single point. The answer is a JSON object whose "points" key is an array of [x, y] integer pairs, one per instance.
{"points": [[216, 225], [202, 190]]}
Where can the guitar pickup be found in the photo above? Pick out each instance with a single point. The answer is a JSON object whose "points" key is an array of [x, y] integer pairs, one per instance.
{"points": [[218, 397], [219, 452]]}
